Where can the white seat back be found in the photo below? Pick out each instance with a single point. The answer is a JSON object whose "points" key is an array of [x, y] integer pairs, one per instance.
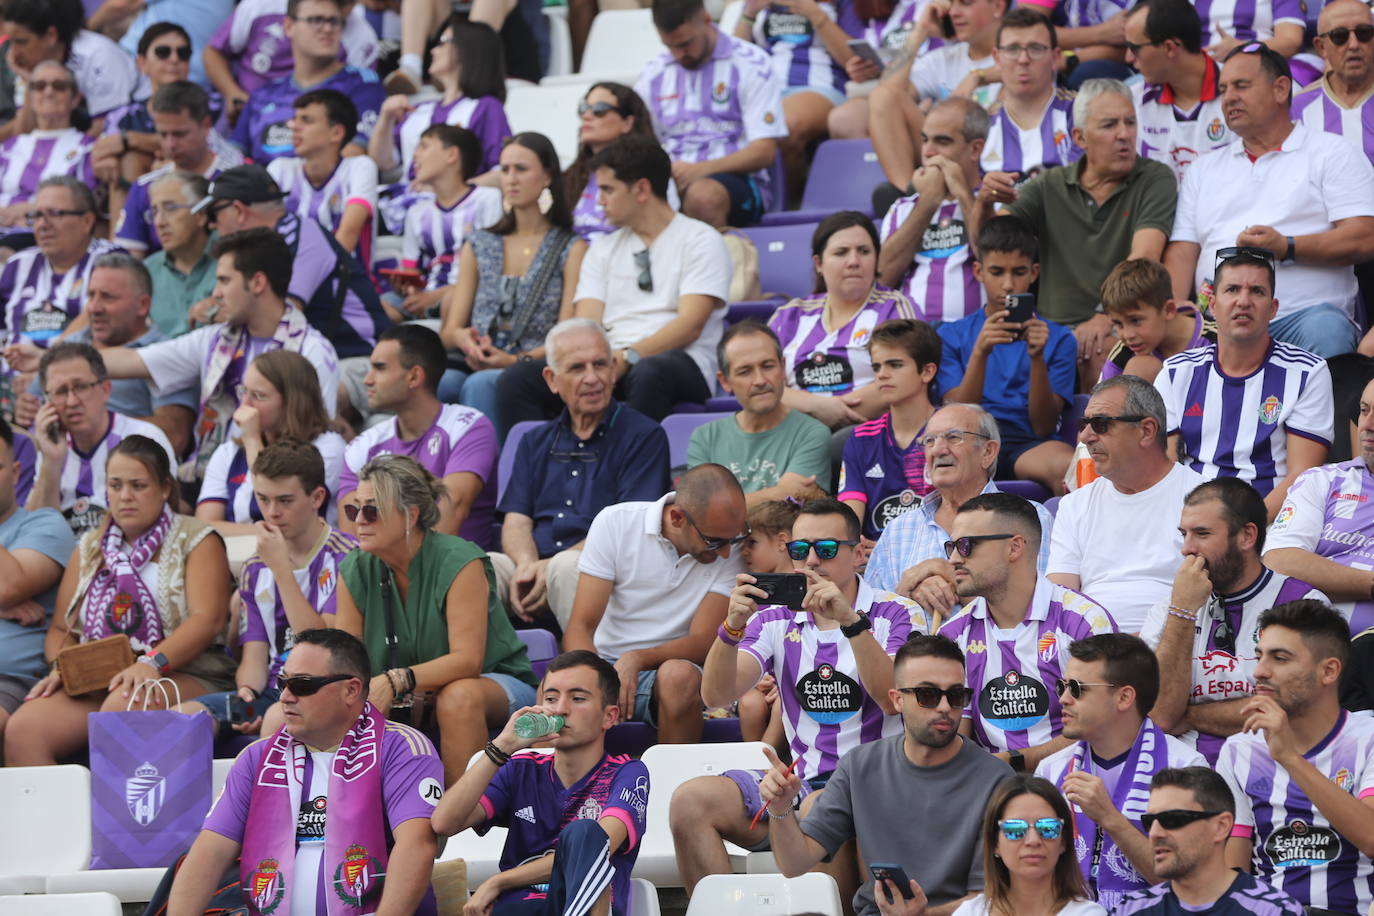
{"points": [[550, 110], [620, 42], [49, 812], [219, 773], [765, 895], [643, 898], [99, 904]]}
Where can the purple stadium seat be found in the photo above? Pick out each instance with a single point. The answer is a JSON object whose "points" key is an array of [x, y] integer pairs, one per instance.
{"points": [[842, 177], [634, 738], [542, 647], [725, 403], [679, 428], [759, 311], [1068, 421], [505, 465], [1027, 489], [1052, 505], [785, 269]]}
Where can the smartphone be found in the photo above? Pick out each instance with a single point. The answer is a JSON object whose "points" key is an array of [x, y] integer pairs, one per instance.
{"points": [[1021, 308], [401, 276], [866, 51], [894, 873], [54, 431], [786, 589], [240, 710], [947, 26]]}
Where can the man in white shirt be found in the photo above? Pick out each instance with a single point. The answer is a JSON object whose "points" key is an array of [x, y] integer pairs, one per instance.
{"points": [[658, 285], [1341, 102], [1315, 215], [1117, 537], [651, 595]]}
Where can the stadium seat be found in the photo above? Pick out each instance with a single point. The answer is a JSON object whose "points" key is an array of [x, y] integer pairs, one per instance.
{"points": [[1052, 505], [542, 646], [785, 269], [670, 765], [723, 404], [643, 898], [550, 109], [130, 885], [505, 465], [765, 895], [53, 805], [61, 905], [1028, 489], [741, 311], [560, 41], [219, 774], [620, 43], [1068, 420], [842, 177], [679, 427]]}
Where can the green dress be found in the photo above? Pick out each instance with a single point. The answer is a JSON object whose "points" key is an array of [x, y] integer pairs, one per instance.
{"points": [[421, 627]]}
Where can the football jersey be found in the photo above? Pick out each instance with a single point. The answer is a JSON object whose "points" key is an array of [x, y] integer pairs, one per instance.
{"points": [[1316, 108], [227, 479], [1247, 896], [28, 158], [825, 361], [261, 131], [38, 302], [1176, 137], [353, 181], [434, 234], [798, 54], [940, 281], [1246, 20], [1012, 148], [887, 479]]}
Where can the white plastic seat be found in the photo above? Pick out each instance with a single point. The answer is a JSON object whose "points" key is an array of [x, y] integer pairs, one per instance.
{"points": [[551, 110], [219, 773], [643, 898], [765, 895], [53, 805], [130, 885], [619, 44], [560, 41], [61, 905]]}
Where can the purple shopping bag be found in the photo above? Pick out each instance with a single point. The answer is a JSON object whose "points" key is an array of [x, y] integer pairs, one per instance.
{"points": [[150, 786]]}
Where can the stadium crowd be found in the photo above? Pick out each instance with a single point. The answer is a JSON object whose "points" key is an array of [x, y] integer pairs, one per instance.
{"points": [[1035, 543]]}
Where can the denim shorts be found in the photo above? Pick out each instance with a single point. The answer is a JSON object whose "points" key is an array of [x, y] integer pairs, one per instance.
{"points": [[518, 693], [217, 705]]}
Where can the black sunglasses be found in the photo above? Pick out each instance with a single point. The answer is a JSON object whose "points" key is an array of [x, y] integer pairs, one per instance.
{"points": [[1364, 34], [1243, 251], [597, 109], [1134, 48], [1075, 687], [646, 276], [826, 548], [966, 544], [929, 697], [1176, 819], [1100, 425], [370, 513], [715, 543], [304, 685], [183, 52], [1223, 635]]}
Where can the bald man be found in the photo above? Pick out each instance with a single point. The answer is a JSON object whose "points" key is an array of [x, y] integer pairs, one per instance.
{"points": [[1341, 102]]}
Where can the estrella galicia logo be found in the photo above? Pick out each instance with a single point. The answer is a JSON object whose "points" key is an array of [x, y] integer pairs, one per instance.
{"points": [[1301, 844], [144, 793], [1013, 702], [828, 696]]}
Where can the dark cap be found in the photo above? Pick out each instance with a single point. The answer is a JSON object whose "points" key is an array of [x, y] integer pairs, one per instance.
{"points": [[249, 184]]}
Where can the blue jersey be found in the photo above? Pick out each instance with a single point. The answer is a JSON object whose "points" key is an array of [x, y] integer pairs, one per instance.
{"points": [[262, 131]]}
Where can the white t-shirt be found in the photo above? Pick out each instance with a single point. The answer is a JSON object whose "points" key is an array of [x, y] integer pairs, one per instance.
{"points": [[656, 592], [688, 258], [1124, 548], [104, 71], [936, 73], [978, 906]]}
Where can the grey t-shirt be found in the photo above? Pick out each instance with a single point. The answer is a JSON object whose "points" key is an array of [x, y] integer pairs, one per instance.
{"points": [[799, 443], [925, 819]]}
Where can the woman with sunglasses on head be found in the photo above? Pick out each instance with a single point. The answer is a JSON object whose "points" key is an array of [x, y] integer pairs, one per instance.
{"points": [[425, 603], [147, 572], [515, 280], [825, 336]]}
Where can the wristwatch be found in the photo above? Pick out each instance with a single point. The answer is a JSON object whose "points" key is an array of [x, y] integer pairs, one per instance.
{"points": [[631, 357], [850, 630], [158, 661], [1017, 761]]}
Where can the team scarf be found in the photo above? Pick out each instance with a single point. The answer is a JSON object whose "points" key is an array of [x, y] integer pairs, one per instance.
{"points": [[355, 851], [118, 600]]}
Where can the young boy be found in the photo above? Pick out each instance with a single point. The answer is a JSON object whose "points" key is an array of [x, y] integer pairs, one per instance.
{"points": [[884, 470], [1149, 324], [320, 183], [1023, 373]]}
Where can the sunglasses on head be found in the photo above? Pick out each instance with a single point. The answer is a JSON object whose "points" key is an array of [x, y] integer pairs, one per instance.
{"points": [[370, 513], [929, 697], [1176, 819], [1100, 425], [1075, 687], [597, 109], [304, 685], [826, 548], [1243, 251], [162, 52], [1364, 34], [1049, 828], [965, 545]]}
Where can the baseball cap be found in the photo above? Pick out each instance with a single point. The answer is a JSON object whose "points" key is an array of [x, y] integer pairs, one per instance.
{"points": [[249, 184]]}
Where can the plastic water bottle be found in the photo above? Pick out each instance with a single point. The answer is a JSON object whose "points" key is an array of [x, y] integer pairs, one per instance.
{"points": [[537, 725]]}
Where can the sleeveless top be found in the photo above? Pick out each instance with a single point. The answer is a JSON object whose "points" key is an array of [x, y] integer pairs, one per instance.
{"points": [[504, 301]]}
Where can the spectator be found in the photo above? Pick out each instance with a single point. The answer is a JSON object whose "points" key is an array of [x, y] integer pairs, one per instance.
{"points": [[825, 336], [774, 451], [1110, 684], [522, 31], [1028, 618], [1192, 813], [281, 400], [1178, 103], [650, 590], [53, 147], [1149, 323], [1316, 235], [1275, 438], [940, 776], [607, 112], [183, 268], [288, 585], [455, 444], [34, 546], [338, 192], [906, 356], [76, 431], [175, 620], [664, 327], [515, 280], [770, 528], [315, 29], [1207, 658], [187, 142], [1110, 205], [1357, 680], [1276, 23], [926, 251], [1296, 744], [1116, 538], [200, 19], [717, 108], [1030, 110], [576, 853], [885, 26], [844, 626], [392, 786], [457, 649], [620, 456], [1338, 102], [960, 444]]}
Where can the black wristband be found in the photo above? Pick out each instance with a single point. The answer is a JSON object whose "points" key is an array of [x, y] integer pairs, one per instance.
{"points": [[1291, 254], [495, 754]]}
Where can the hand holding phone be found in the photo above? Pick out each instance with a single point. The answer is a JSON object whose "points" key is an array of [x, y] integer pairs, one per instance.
{"points": [[786, 589], [1020, 308], [896, 874]]}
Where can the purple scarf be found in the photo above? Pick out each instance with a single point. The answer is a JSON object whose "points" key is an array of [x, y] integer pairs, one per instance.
{"points": [[118, 600], [355, 850]]}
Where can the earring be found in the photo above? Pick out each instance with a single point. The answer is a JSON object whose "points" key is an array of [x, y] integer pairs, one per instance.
{"points": [[545, 200]]}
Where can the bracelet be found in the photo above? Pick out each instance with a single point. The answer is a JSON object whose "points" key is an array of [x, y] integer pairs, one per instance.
{"points": [[147, 660], [728, 635], [1174, 610], [495, 754], [410, 680], [393, 678], [780, 817]]}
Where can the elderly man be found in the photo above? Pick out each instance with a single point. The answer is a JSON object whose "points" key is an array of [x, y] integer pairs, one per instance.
{"points": [[183, 271], [599, 452], [961, 444], [1340, 102], [1315, 215], [53, 147], [1117, 537], [1110, 205]]}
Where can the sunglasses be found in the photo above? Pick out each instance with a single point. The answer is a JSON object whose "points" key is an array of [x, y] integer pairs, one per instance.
{"points": [[1223, 636], [1100, 425], [1075, 687], [826, 548], [965, 545], [54, 85], [1049, 828], [929, 697], [370, 513], [1364, 34], [1176, 819], [1134, 48], [715, 543], [304, 685], [598, 109], [646, 277], [1243, 251], [162, 52]]}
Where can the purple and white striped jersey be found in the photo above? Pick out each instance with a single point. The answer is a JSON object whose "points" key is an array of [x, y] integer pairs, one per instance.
{"points": [[434, 234], [260, 53], [1078, 14], [1012, 671], [827, 711], [940, 282], [1236, 427], [1246, 20], [889, 36], [27, 159], [134, 230], [1247, 896], [799, 56], [353, 181], [1295, 847], [1012, 148], [228, 480], [1176, 137], [485, 117], [825, 361], [731, 100], [38, 302], [82, 484], [1319, 110], [1224, 656]]}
